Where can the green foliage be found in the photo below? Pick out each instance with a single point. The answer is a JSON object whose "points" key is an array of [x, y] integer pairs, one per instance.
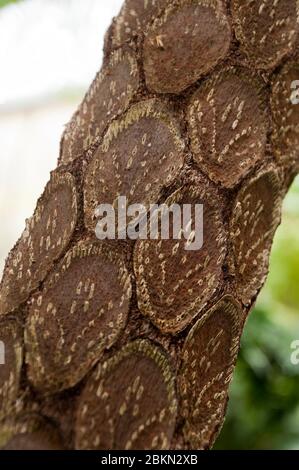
{"points": [[264, 405], [3, 3]]}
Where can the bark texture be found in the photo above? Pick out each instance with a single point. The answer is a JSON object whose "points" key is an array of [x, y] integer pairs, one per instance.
{"points": [[132, 345]]}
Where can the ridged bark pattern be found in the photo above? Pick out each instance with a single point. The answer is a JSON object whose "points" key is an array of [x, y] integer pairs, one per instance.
{"points": [[132, 345]]}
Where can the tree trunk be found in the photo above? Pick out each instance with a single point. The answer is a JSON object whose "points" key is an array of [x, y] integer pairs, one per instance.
{"points": [[132, 344]]}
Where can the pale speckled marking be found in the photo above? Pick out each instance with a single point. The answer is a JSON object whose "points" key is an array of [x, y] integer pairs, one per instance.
{"points": [[153, 109], [245, 215], [91, 132], [224, 143], [28, 261], [194, 379], [269, 38], [42, 375], [195, 303], [85, 428], [9, 388]]}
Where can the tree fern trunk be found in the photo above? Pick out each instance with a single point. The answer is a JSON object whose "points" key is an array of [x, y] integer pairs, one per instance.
{"points": [[132, 345]]}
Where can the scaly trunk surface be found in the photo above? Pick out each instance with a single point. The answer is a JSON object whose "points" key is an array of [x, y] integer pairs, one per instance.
{"points": [[132, 344]]}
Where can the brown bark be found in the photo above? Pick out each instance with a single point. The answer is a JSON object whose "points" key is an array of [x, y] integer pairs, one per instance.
{"points": [[123, 345]]}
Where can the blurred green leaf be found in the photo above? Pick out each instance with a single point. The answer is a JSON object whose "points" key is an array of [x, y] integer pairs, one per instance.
{"points": [[264, 399]]}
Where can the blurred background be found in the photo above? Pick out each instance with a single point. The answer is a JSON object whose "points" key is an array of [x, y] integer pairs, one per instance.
{"points": [[50, 51]]}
